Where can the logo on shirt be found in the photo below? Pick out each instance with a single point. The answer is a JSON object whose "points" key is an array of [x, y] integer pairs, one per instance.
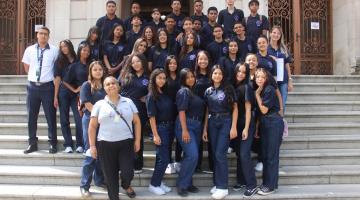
{"points": [[258, 23], [221, 96], [120, 48], [236, 18], [249, 47], [270, 65], [145, 82], [224, 50], [157, 53], [192, 57]]}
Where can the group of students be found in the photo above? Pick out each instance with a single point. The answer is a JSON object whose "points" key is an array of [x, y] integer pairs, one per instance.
{"points": [[191, 79]]}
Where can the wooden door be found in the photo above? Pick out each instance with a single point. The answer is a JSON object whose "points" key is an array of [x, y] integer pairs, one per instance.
{"points": [[307, 31]]}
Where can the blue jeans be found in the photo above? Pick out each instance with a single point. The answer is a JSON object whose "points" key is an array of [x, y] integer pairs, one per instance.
{"points": [[219, 132], [90, 166], [245, 172], [283, 87], [162, 152], [272, 128], [37, 95], [191, 152], [68, 99]]}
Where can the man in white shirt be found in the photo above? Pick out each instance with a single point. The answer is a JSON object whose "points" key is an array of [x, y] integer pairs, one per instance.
{"points": [[39, 62]]}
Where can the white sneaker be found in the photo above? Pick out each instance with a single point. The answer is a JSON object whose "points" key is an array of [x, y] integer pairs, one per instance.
{"points": [[156, 190], [68, 150], [138, 171], [79, 150], [220, 193], [165, 188], [170, 169], [213, 190], [177, 166], [230, 150], [259, 167]]}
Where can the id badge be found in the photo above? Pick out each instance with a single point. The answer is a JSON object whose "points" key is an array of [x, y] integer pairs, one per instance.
{"points": [[117, 118]]}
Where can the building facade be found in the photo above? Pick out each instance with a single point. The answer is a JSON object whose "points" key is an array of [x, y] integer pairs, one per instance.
{"points": [[323, 35]]}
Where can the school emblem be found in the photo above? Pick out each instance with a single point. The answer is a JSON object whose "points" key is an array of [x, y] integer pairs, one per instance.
{"points": [[192, 57], [236, 18], [258, 23], [270, 65], [221, 96], [250, 47], [120, 48], [145, 82], [224, 50]]}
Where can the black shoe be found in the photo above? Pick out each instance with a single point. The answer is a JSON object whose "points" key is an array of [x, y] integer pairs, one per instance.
{"points": [[238, 187], [193, 189], [265, 191], [250, 192], [84, 192], [31, 148], [130, 193], [52, 149], [182, 192]]}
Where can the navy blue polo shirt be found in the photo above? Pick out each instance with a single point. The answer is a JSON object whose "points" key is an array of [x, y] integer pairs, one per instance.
{"points": [[94, 50], [206, 35], [114, 52], [61, 70], [172, 39], [158, 57], [136, 89], [245, 47], [77, 75], [287, 60], [229, 67], [217, 50], [161, 108], [156, 26], [202, 83], [131, 37], [255, 26], [189, 60], [270, 100], [173, 86], [88, 96], [267, 63], [105, 25], [217, 101], [244, 93], [191, 103], [228, 20], [178, 20]]}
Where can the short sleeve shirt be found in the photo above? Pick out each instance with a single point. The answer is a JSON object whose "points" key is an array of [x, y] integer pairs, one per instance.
{"points": [[161, 108], [270, 100], [77, 75], [114, 52], [217, 101], [86, 96], [189, 102]]}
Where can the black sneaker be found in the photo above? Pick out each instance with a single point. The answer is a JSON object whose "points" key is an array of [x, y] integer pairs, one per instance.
{"points": [[265, 191], [238, 187], [182, 192], [193, 189], [250, 192]]}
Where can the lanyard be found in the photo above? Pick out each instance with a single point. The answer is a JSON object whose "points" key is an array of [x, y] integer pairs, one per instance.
{"points": [[40, 61], [120, 115]]}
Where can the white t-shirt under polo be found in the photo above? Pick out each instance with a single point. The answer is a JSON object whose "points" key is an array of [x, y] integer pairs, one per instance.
{"points": [[112, 127], [31, 55]]}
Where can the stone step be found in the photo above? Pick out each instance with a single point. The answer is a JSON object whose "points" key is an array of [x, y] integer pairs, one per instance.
{"points": [[21, 117], [308, 157], [328, 96], [327, 87], [13, 79], [321, 106], [13, 87], [288, 175], [323, 117], [12, 96], [285, 192], [326, 79]]}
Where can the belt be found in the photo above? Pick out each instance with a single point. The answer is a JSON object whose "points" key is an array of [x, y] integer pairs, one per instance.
{"points": [[39, 83], [219, 114], [197, 118]]}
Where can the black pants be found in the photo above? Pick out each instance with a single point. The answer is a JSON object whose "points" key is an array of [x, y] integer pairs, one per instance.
{"points": [[115, 157]]}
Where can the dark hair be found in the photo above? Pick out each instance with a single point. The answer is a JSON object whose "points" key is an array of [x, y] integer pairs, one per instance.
{"points": [[153, 88], [241, 23], [185, 47], [186, 19], [247, 73], [183, 74], [111, 36], [197, 68], [238, 51], [196, 18], [263, 36], [81, 46], [253, 1], [157, 45], [169, 17], [198, 1], [45, 28], [229, 97], [167, 62], [127, 73], [111, 2], [136, 16], [172, 1], [218, 26], [134, 2], [212, 8], [267, 76], [154, 39], [92, 30], [155, 10], [91, 78], [62, 61]]}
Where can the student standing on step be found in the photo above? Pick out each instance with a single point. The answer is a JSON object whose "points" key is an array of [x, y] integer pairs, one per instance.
{"points": [[220, 127], [39, 62], [160, 50], [229, 61], [188, 51], [117, 139], [188, 130], [93, 40], [218, 47], [91, 92], [245, 44], [63, 96], [272, 127], [134, 33], [161, 115], [229, 16]]}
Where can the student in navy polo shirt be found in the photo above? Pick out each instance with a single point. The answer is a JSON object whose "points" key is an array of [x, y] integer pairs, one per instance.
{"points": [[161, 115], [115, 50], [159, 51], [220, 127], [149, 35], [245, 173], [156, 23], [229, 16], [278, 49], [73, 80], [176, 14], [135, 10], [134, 81], [188, 130], [93, 40], [255, 24], [229, 61], [264, 59], [189, 51], [188, 28], [197, 26], [272, 127], [106, 23], [245, 44], [91, 91], [134, 32], [198, 14], [207, 31], [139, 48], [172, 31], [202, 71], [218, 47], [63, 96]]}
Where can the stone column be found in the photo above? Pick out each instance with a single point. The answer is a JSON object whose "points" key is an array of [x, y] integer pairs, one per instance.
{"points": [[58, 20]]}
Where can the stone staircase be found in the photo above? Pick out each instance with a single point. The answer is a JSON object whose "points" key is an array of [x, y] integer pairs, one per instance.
{"points": [[320, 159]]}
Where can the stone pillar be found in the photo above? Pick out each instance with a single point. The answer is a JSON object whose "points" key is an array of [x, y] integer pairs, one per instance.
{"points": [[58, 20]]}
